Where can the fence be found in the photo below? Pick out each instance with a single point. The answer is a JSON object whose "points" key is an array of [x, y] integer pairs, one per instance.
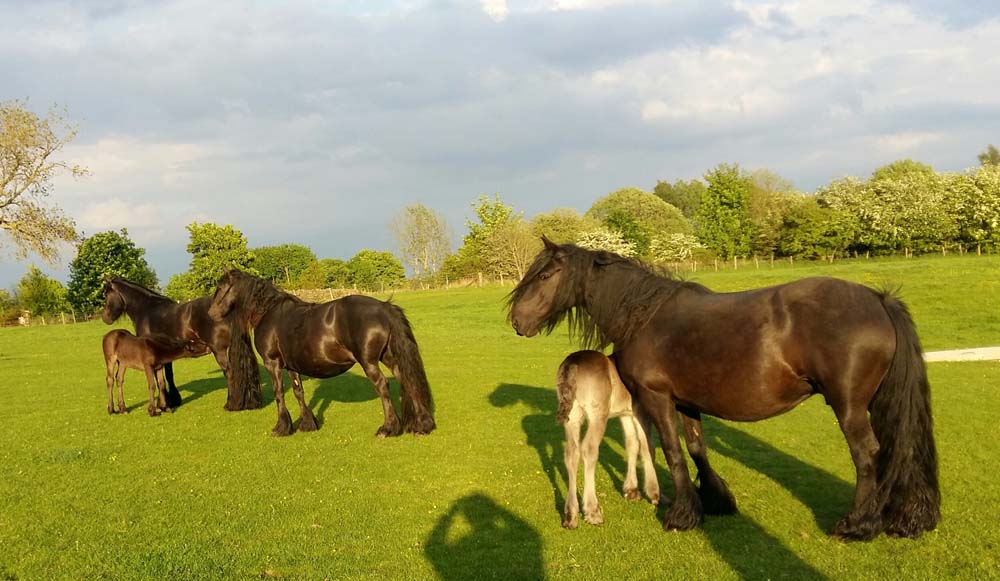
{"points": [[26, 319]]}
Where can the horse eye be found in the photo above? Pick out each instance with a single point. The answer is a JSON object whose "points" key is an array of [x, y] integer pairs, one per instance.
{"points": [[545, 276]]}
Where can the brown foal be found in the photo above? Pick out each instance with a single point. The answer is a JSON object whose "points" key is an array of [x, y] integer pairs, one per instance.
{"points": [[148, 353]]}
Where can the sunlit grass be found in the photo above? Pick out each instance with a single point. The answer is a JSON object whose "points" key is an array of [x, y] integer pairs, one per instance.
{"points": [[207, 494]]}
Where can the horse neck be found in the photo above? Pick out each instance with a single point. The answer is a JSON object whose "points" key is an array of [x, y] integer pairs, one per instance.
{"points": [[643, 291], [137, 302], [262, 300]]}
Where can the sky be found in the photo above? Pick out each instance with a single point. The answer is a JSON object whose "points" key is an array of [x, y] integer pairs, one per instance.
{"points": [[315, 122]]}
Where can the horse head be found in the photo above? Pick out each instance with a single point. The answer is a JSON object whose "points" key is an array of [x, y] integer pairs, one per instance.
{"points": [[114, 302], [226, 295], [541, 299]]}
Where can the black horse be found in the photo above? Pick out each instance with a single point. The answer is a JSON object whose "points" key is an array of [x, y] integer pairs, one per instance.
{"points": [[153, 313], [324, 340], [749, 356]]}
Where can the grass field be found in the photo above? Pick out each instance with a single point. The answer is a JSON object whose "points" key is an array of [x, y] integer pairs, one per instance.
{"points": [[206, 494]]}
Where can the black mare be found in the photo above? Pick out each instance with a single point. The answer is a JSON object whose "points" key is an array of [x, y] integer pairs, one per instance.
{"points": [[153, 313], [748, 356], [325, 340]]}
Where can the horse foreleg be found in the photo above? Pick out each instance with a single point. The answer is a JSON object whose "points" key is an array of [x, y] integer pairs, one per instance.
{"points": [[307, 423], [151, 381], [392, 426], [630, 488], [712, 489], [864, 521], [685, 512], [284, 425], [173, 396], [161, 384], [571, 457], [591, 447]]}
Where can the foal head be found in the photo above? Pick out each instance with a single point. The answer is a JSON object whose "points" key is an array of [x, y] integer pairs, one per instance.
{"points": [[114, 303]]}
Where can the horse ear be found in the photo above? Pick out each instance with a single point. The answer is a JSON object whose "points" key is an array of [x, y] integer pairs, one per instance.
{"points": [[605, 258], [550, 244]]}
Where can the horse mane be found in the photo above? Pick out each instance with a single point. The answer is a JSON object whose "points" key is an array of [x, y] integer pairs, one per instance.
{"points": [[137, 288], [256, 295], [600, 313]]}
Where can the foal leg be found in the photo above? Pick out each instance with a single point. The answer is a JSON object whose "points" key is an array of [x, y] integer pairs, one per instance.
{"points": [[650, 484], [630, 488], [391, 426], [307, 423], [685, 512], [120, 380], [712, 489], [151, 381], [596, 425], [864, 521], [571, 456], [161, 383], [284, 425], [110, 380]]}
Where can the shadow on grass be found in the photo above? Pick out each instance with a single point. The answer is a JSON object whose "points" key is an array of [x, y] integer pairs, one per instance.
{"points": [[825, 494], [547, 437], [479, 538], [747, 547]]}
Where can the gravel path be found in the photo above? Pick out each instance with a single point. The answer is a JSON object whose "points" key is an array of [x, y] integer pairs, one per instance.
{"points": [[974, 354]]}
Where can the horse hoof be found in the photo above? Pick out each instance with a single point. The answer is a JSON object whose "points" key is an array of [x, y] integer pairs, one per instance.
{"points": [[123, 412], [677, 521], [386, 432], [154, 413], [632, 494], [595, 518], [571, 523]]}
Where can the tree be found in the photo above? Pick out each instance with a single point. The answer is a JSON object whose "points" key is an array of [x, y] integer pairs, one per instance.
{"points": [[621, 221], [213, 249], [423, 238], [494, 242], [771, 197], [674, 247], [562, 225], [41, 294], [28, 144], [685, 196], [812, 230], [650, 215], [512, 246], [990, 157], [373, 270], [100, 256], [723, 217], [605, 239], [338, 275], [282, 264]]}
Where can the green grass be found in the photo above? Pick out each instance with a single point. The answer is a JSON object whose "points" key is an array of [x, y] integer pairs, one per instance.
{"points": [[204, 494]]}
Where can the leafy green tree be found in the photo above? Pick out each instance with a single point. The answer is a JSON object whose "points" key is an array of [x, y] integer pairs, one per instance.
{"points": [[674, 247], [562, 225], [423, 238], [685, 196], [28, 144], [100, 256], [974, 199], [41, 294], [373, 270], [724, 215], [990, 156], [496, 244], [771, 197], [811, 230], [213, 249], [282, 264], [338, 275], [639, 216]]}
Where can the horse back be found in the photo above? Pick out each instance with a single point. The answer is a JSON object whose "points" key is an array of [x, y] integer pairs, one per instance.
{"points": [[591, 378]]}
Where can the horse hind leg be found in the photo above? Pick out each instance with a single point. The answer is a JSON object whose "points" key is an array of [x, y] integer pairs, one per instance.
{"points": [[596, 425], [864, 521], [571, 456], [110, 380], [650, 484], [120, 381], [284, 425], [392, 426], [307, 423], [151, 382], [161, 384], [712, 489]]}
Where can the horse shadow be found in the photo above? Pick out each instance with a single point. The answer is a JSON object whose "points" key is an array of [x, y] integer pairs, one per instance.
{"points": [[548, 437], [475, 538], [347, 388]]}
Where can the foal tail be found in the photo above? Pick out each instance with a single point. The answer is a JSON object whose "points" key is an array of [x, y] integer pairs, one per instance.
{"points": [[408, 366], [565, 389], [244, 375], [906, 465]]}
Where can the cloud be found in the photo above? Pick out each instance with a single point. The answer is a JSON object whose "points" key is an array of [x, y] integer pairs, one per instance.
{"points": [[495, 9]]}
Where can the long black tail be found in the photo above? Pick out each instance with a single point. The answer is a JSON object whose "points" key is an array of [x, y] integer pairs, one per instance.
{"points": [[565, 389], [243, 377], [408, 366], [906, 466]]}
